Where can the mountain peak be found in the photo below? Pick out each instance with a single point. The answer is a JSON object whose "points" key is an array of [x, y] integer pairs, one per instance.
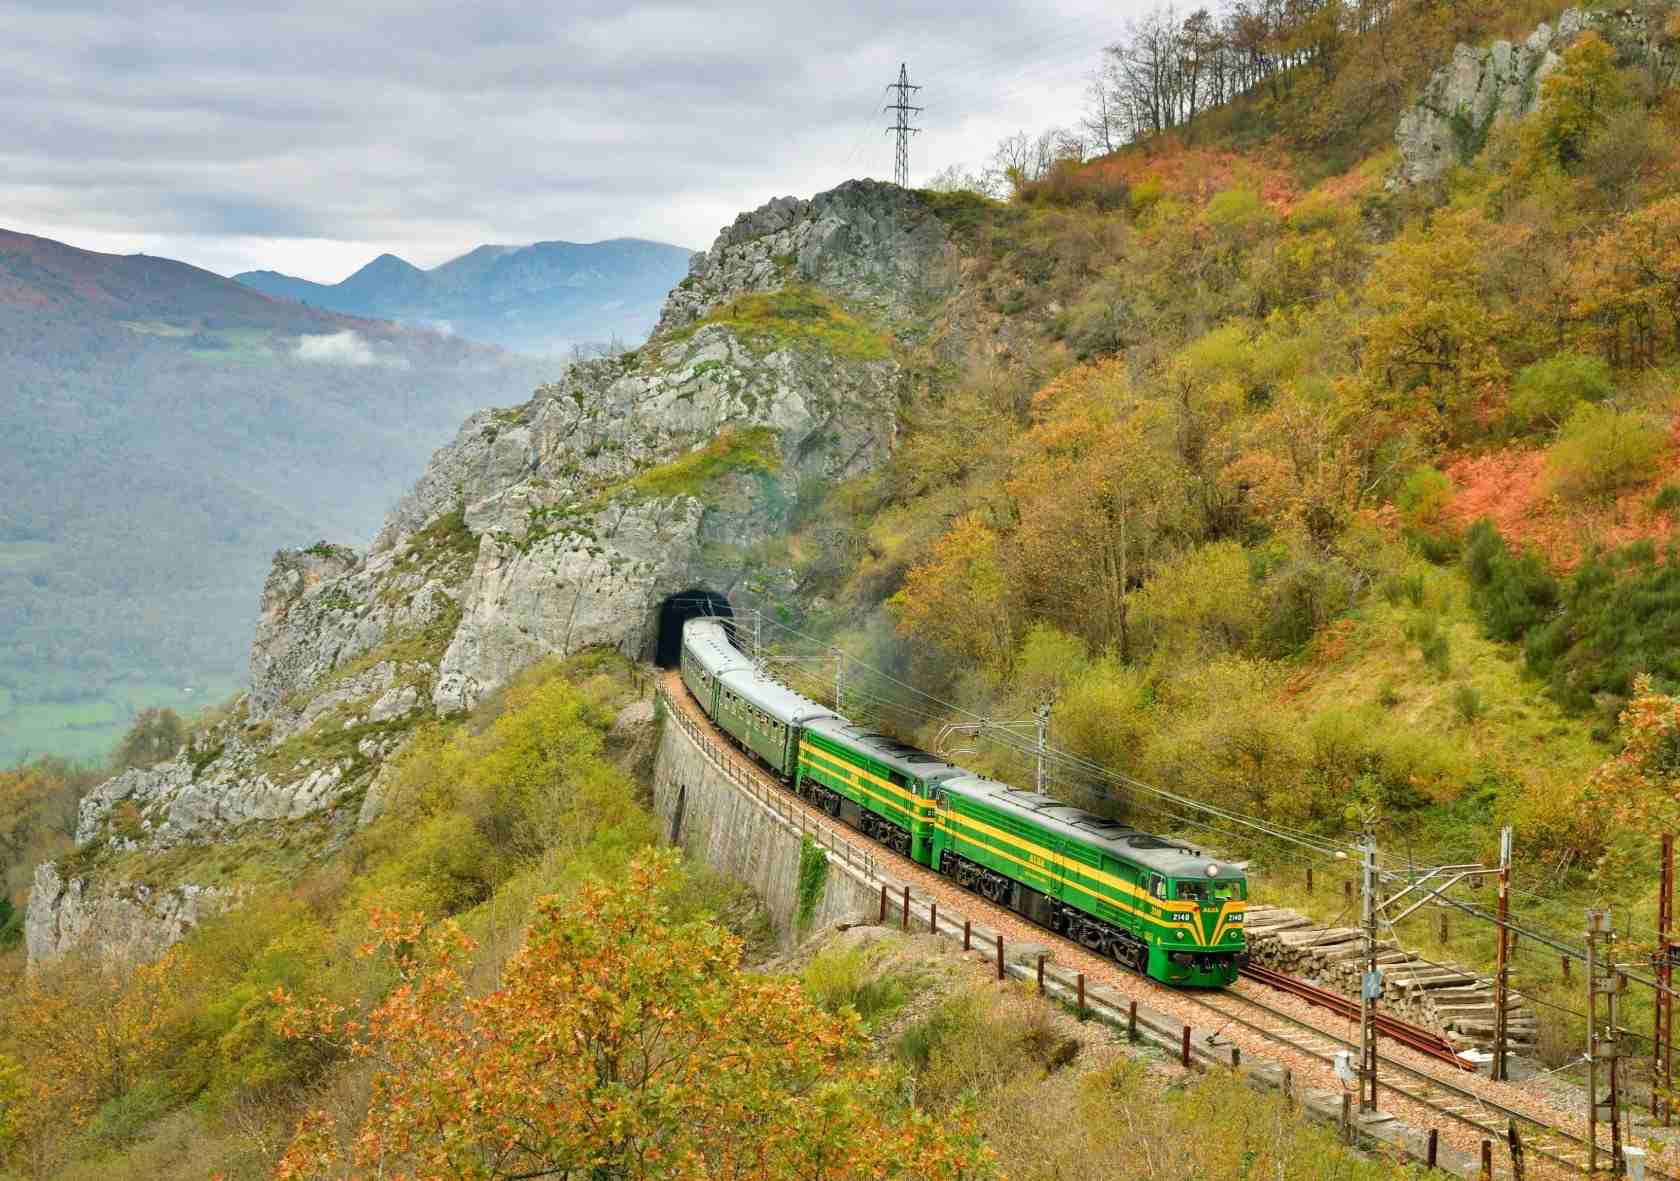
{"points": [[387, 266], [540, 298]]}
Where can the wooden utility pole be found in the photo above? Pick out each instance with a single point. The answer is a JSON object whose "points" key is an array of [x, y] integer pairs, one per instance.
{"points": [[1662, 1040], [1502, 968]]}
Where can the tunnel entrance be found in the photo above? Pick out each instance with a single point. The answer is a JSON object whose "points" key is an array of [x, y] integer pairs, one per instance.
{"points": [[677, 610]]}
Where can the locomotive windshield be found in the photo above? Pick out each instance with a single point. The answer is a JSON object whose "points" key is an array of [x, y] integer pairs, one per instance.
{"points": [[1202, 890]]}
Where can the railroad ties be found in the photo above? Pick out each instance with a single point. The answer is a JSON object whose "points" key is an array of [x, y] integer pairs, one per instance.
{"points": [[1447, 998]]}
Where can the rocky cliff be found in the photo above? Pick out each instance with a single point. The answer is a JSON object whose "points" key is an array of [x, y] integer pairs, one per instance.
{"points": [[779, 364], [1482, 87]]}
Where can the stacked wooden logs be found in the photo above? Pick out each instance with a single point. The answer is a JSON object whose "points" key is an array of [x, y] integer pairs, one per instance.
{"points": [[1448, 998]]}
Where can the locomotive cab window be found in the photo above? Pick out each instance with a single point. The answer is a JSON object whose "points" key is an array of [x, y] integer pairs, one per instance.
{"points": [[1228, 891], [1190, 891], [1158, 887]]}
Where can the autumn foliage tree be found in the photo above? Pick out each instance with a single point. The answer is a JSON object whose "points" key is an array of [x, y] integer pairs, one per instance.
{"points": [[86, 1033], [1640, 785], [1577, 100], [1432, 341], [619, 1044]]}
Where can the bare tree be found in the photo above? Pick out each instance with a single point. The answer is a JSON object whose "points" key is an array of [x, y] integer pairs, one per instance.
{"points": [[1023, 158], [957, 178], [1104, 127]]}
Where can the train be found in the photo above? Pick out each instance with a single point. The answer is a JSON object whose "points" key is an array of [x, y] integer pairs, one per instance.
{"points": [[1148, 902]]}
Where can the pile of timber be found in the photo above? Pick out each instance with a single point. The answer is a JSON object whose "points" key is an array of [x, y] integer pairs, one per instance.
{"points": [[1452, 1000]]}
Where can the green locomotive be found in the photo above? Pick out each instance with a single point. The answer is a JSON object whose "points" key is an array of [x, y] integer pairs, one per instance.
{"points": [[1151, 903]]}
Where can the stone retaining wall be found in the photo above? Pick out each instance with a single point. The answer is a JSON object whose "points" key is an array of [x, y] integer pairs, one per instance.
{"points": [[749, 833]]}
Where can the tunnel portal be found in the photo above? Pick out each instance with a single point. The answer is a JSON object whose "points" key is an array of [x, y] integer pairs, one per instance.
{"points": [[677, 610]]}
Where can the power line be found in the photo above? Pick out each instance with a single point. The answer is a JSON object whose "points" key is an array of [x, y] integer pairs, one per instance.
{"points": [[875, 108]]}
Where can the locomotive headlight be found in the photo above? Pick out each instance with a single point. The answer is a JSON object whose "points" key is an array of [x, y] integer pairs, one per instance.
{"points": [[1213, 869]]}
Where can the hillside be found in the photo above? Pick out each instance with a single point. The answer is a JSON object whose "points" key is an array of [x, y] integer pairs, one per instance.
{"points": [[540, 299], [167, 430], [1314, 456]]}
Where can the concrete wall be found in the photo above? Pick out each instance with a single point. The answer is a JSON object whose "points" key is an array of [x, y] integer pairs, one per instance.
{"points": [[748, 837]]}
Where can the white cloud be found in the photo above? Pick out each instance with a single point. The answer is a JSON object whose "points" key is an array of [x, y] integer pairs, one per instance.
{"points": [[309, 137], [342, 348]]}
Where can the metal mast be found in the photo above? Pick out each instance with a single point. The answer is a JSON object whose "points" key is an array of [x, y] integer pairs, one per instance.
{"points": [[1042, 716], [901, 124], [1662, 1044], [1603, 1041], [1371, 986], [1502, 970]]}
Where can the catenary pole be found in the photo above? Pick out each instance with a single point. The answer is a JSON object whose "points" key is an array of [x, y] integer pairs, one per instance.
{"points": [[1502, 965], [1370, 987], [1662, 1040]]}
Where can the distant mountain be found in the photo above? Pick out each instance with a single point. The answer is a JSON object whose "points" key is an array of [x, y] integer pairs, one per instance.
{"points": [[43, 276], [165, 430], [538, 299]]}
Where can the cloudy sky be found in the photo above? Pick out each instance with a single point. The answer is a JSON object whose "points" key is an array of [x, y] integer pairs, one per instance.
{"points": [[311, 136]]}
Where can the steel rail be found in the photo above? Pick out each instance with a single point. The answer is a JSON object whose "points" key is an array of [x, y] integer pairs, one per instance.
{"points": [[1416, 1037]]}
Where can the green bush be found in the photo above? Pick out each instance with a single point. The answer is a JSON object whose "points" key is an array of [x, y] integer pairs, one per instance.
{"points": [[1602, 450], [838, 977], [1399, 588], [1620, 617], [1468, 703], [1300, 597], [1422, 497], [11, 923], [156, 735], [917, 1044], [1546, 392], [1437, 549], [1425, 631], [1667, 499], [1512, 593], [813, 876]]}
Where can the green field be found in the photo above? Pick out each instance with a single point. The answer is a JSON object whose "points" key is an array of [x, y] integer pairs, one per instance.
{"points": [[86, 731]]}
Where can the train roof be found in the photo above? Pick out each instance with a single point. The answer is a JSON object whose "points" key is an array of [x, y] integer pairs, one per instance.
{"points": [[708, 640], [902, 757], [777, 700], [1164, 856]]}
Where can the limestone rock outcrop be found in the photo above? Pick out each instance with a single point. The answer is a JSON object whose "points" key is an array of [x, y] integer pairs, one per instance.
{"points": [[543, 529], [120, 924], [1482, 87], [871, 242]]}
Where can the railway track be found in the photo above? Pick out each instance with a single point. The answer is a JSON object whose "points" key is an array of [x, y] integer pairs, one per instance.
{"points": [[1422, 1040], [1486, 1118], [1491, 1119]]}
